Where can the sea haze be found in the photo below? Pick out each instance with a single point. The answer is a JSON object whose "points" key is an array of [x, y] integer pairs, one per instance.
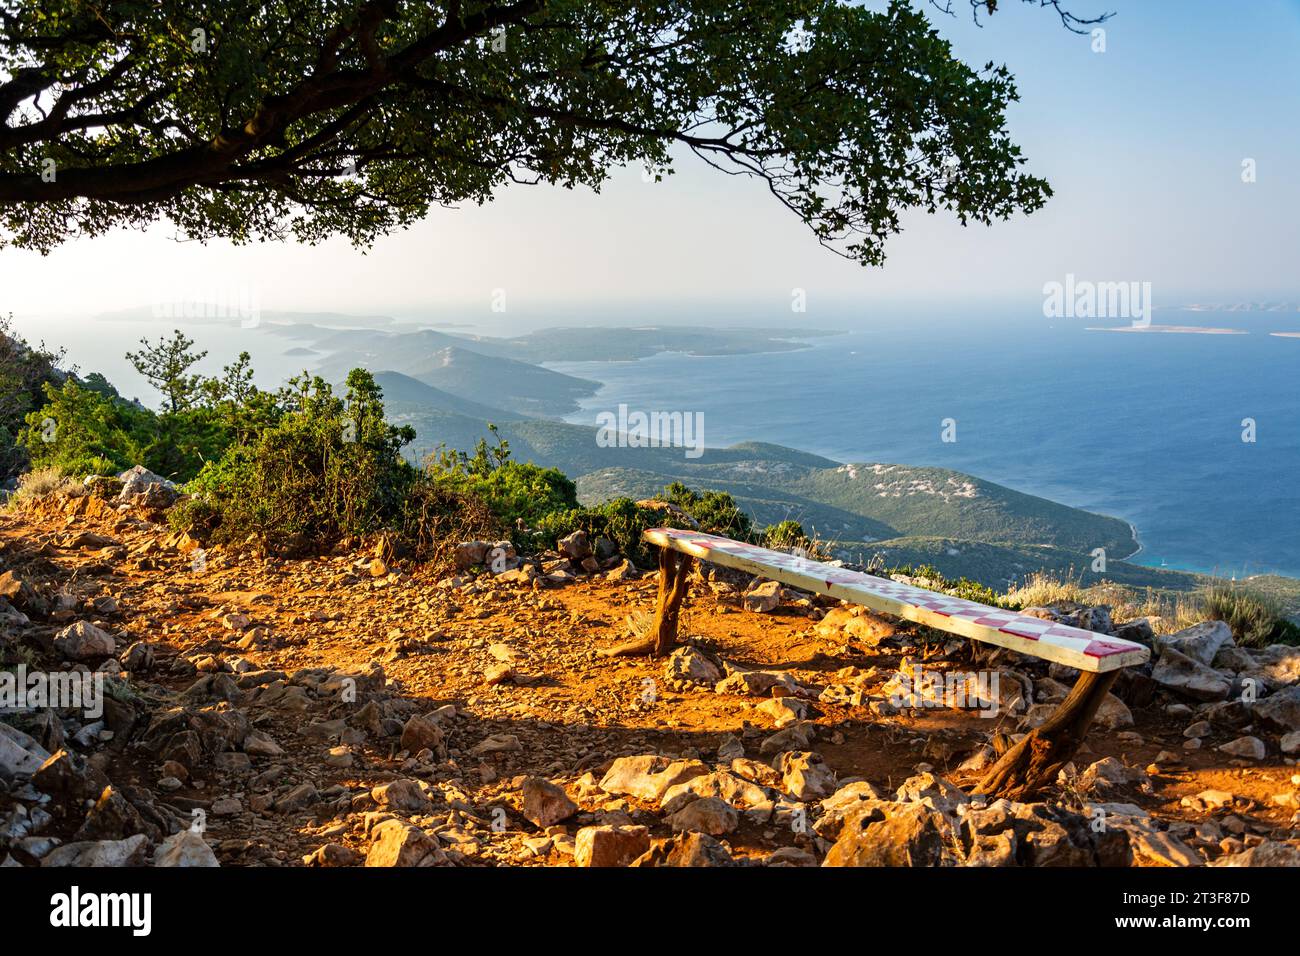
{"points": [[1144, 426]]}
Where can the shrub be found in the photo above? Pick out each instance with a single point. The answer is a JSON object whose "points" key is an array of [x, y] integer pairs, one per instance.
{"points": [[85, 426], [784, 536], [24, 370], [973, 591], [621, 520], [80, 431], [716, 511], [198, 517], [1256, 620], [329, 467], [436, 516], [519, 495], [41, 482], [930, 578]]}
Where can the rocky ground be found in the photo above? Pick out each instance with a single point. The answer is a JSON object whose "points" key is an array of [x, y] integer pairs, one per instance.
{"points": [[350, 709]]}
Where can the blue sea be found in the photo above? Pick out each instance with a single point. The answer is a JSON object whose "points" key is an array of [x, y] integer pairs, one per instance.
{"points": [[1147, 427]]}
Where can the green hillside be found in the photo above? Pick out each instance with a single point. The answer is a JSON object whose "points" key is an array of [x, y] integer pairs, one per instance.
{"points": [[857, 503], [1003, 565], [936, 501], [765, 504], [406, 395], [485, 379]]}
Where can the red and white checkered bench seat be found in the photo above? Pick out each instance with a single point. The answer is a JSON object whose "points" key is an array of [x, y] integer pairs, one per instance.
{"points": [[1072, 646]]}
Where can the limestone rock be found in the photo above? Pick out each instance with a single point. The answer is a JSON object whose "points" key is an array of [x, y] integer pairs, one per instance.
{"points": [[401, 796], [933, 791], [333, 854], [20, 754], [421, 732], [398, 843], [139, 479], [575, 546], [785, 711], [1159, 848], [470, 553], [1252, 748], [649, 776], [298, 798], [127, 852], [1109, 774], [83, 641], [691, 848], [112, 817], [706, 815], [1184, 675], [854, 622], [693, 666], [1280, 711], [1268, 853], [1113, 714], [992, 849], [1201, 642], [610, 845], [186, 848], [728, 787], [763, 598], [545, 803], [758, 684], [907, 836], [795, 737], [805, 776]]}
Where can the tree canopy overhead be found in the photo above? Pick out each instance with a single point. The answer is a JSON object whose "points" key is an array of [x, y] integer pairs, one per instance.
{"points": [[250, 119]]}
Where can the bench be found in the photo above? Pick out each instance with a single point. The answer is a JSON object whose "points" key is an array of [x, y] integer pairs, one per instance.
{"points": [[1025, 767]]}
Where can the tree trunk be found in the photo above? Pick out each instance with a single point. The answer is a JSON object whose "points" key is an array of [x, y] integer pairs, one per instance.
{"points": [[1034, 762], [674, 581]]}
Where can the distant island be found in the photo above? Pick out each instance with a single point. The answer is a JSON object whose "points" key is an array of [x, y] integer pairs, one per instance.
{"points": [[1176, 329]]}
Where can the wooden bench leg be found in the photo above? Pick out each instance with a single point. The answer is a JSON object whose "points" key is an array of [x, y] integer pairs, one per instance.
{"points": [[674, 581], [1034, 763]]}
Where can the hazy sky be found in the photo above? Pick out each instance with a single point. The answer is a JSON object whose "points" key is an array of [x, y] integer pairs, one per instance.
{"points": [[1143, 144]]}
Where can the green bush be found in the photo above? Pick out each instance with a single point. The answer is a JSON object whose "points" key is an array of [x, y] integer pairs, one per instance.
{"points": [[86, 427], [24, 371], [519, 495], [81, 431], [436, 517], [1256, 620], [785, 536], [327, 468], [620, 520], [716, 511], [929, 577]]}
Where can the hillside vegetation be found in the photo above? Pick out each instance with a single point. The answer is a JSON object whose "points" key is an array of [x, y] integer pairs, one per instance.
{"points": [[854, 504], [312, 463]]}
